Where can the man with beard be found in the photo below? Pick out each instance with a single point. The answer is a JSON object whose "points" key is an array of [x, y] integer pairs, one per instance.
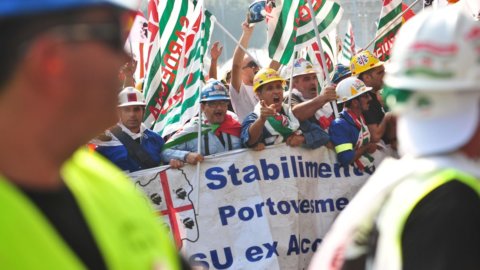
{"points": [[349, 133]]}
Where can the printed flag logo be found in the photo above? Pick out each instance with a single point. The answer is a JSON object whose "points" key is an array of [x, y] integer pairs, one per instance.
{"points": [[171, 199], [132, 97]]}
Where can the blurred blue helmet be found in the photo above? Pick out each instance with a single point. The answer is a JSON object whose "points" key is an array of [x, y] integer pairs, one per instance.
{"points": [[340, 72], [12, 8], [214, 90]]}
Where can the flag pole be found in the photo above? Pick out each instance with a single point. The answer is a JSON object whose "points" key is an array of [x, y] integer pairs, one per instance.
{"points": [[199, 134], [290, 83], [236, 41], [322, 55], [390, 24]]}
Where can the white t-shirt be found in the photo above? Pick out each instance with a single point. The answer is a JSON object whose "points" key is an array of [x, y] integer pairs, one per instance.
{"points": [[243, 102]]}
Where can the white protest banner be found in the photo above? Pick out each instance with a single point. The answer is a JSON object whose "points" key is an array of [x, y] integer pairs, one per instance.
{"points": [[256, 210]]}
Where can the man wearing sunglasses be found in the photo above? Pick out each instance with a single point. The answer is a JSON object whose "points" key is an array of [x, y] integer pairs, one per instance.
{"points": [[220, 128], [63, 207], [244, 69]]}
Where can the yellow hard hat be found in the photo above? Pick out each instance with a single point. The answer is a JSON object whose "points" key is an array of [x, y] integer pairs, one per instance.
{"points": [[364, 61], [264, 76], [139, 85]]}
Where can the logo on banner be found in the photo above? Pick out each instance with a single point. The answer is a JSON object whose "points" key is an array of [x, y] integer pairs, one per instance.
{"points": [[171, 198]]}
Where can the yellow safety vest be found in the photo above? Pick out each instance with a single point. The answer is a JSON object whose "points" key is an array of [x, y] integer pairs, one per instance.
{"points": [[398, 207], [127, 233]]}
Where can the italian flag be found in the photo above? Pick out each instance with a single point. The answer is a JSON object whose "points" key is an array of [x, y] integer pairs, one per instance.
{"points": [[179, 35], [289, 25]]}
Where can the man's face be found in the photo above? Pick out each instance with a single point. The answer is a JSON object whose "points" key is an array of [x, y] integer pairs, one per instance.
{"points": [[93, 65], [364, 101], [131, 117], [307, 85], [249, 68], [375, 78], [272, 93], [215, 110]]}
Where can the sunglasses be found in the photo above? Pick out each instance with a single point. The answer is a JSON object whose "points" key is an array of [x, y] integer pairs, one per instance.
{"points": [[218, 103], [109, 33], [250, 64]]}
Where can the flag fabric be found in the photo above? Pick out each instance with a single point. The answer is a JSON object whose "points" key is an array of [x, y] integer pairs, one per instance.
{"points": [[348, 45], [174, 75], [289, 25], [329, 46], [407, 15], [189, 131], [136, 41], [388, 25]]}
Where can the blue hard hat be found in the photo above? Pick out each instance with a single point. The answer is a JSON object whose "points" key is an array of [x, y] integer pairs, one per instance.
{"points": [[11, 8], [340, 72], [214, 90]]}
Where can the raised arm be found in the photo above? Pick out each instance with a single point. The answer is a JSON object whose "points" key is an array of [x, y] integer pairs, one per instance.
{"points": [[238, 56]]}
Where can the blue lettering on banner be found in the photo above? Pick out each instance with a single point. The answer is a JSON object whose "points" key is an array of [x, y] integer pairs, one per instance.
{"points": [[201, 259], [224, 260], [301, 206], [255, 253], [295, 166], [302, 245]]}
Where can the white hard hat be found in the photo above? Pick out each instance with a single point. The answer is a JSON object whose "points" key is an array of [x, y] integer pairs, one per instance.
{"points": [[301, 66], [130, 97], [433, 81], [436, 52], [350, 88]]}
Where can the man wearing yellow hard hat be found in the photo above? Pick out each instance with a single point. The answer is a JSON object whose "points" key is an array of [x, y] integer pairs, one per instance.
{"points": [[272, 122], [369, 69]]}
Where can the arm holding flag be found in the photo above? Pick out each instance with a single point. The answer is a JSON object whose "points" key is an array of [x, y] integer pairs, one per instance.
{"points": [[239, 55], [183, 151], [307, 109]]}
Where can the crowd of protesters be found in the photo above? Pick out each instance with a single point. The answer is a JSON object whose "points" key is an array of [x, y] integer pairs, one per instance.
{"points": [[252, 107]]}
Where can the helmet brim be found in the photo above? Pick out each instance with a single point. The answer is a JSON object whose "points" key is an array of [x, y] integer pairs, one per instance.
{"points": [[214, 99], [269, 81], [132, 104], [367, 89]]}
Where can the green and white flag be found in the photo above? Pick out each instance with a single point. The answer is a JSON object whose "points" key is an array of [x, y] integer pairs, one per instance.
{"points": [[289, 25], [174, 75], [348, 46], [388, 26]]}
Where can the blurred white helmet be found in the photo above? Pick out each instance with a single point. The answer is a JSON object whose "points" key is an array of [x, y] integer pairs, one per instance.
{"points": [[130, 97], [433, 81], [436, 52], [350, 88]]}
